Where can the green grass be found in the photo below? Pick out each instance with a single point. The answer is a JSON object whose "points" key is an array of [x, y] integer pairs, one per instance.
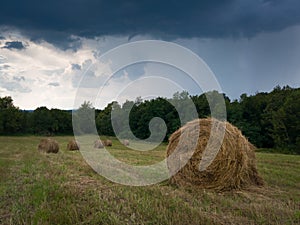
{"points": [[61, 188]]}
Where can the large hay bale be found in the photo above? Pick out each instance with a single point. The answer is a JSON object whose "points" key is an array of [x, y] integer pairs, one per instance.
{"points": [[98, 144], [234, 166], [73, 145], [107, 143], [48, 145]]}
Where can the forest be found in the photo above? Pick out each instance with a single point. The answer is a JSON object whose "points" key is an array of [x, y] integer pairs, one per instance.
{"points": [[269, 120]]}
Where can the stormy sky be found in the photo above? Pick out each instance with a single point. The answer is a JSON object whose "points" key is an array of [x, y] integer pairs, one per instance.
{"points": [[47, 46]]}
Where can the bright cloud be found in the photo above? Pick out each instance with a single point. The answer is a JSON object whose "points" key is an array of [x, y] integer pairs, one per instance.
{"points": [[42, 74]]}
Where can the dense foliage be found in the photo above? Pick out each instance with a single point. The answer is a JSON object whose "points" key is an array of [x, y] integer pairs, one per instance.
{"points": [[269, 120]]}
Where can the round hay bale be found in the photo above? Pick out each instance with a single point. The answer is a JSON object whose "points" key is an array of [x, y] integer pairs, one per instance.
{"points": [[125, 142], [107, 143], [234, 166], [48, 145], [98, 144], [73, 145]]}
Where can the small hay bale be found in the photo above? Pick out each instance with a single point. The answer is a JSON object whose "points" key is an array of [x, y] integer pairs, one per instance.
{"points": [[234, 166], [125, 142], [48, 145], [73, 145], [98, 144], [107, 143]]}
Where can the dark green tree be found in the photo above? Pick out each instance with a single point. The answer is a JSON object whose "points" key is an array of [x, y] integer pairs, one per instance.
{"points": [[103, 120], [10, 117], [42, 121], [84, 119]]}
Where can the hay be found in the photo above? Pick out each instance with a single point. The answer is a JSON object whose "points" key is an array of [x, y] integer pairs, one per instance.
{"points": [[98, 144], [125, 142], [101, 144], [234, 166], [48, 145], [73, 145], [107, 143]]}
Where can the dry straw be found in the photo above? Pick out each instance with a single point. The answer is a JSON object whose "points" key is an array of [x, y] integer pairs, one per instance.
{"points": [[234, 166], [125, 142], [73, 145], [48, 145], [107, 143]]}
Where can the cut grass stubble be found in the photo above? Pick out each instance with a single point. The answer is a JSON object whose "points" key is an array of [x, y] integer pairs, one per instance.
{"points": [[61, 188]]}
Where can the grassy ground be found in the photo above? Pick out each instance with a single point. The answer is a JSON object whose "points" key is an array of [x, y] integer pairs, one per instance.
{"points": [[61, 188]]}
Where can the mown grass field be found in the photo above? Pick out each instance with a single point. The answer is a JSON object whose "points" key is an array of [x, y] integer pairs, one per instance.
{"points": [[61, 188]]}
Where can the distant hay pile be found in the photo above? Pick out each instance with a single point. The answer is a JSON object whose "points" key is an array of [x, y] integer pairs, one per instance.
{"points": [[125, 142], [101, 144], [98, 144], [234, 166], [107, 143], [48, 145], [73, 145]]}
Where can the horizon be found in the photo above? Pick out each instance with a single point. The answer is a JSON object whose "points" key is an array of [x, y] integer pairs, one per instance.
{"points": [[143, 100]]}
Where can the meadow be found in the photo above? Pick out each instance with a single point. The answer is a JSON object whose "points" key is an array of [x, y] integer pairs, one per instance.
{"points": [[61, 188]]}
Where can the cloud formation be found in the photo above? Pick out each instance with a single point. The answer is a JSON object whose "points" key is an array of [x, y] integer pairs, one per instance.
{"points": [[14, 45], [46, 47], [207, 18], [42, 74], [54, 84]]}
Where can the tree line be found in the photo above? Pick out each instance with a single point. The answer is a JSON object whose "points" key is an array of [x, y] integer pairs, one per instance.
{"points": [[268, 120]]}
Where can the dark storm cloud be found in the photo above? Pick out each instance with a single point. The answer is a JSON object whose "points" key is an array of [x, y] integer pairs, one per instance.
{"points": [[14, 45], [196, 18]]}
